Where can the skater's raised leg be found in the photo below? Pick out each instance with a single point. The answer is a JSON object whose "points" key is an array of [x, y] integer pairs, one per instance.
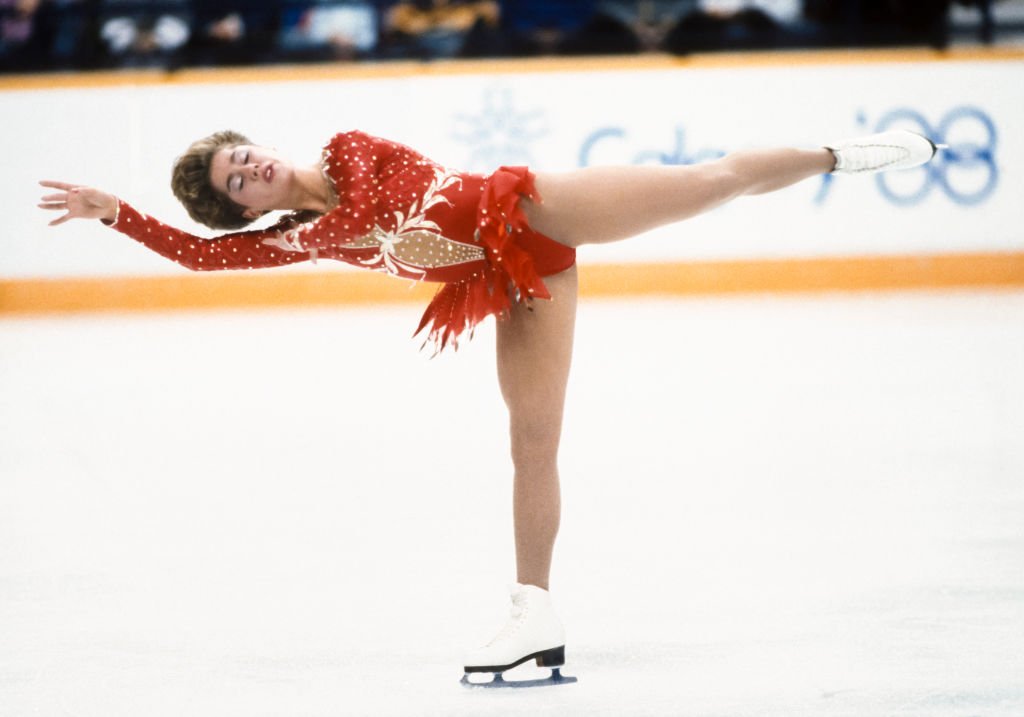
{"points": [[597, 205]]}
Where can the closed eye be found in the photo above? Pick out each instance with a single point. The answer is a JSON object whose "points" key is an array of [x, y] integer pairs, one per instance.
{"points": [[235, 181]]}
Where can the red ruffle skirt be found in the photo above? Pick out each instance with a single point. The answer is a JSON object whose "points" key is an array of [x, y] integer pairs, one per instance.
{"points": [[516, 257]]}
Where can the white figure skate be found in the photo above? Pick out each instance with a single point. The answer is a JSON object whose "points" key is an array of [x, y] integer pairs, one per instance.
{"points": [[533, 632], [896, 149]]}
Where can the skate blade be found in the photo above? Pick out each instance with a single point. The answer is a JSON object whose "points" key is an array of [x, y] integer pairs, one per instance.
{"points": [[556, 678]]}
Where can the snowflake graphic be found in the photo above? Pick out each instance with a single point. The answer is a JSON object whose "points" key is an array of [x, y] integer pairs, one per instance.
{"points": [[499, 134]]}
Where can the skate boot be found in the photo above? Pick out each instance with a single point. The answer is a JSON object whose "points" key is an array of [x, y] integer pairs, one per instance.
{"points": [[896, 149], [533, 632]]}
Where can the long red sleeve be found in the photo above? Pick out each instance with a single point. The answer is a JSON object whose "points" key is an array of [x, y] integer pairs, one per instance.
{"points": [[362, 168], [238, 250]]}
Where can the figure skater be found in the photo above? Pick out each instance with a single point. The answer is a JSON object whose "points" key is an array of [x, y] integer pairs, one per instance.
{"points": [[502, 245]]}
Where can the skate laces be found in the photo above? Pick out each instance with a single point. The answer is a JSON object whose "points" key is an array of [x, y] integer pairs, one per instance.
{"points": [[516, 614], [518, 604], [860, 157]]}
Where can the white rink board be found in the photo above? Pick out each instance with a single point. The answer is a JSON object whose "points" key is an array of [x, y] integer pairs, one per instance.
{"points": [[124, 139]]}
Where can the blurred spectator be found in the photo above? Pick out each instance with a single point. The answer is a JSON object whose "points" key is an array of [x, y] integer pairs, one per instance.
{"points": [[544, 27], [783, 12], [19, 44], [328, 30], [442, 28], [644, 23], [232, 32], [144, 32], [881, 22], [969, 19], [68, 33], [741, 24], [682, 26], [780, 10], [48, 34]]}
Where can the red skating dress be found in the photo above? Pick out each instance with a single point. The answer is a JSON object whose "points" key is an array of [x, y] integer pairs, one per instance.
{"points": [[400, 213]]}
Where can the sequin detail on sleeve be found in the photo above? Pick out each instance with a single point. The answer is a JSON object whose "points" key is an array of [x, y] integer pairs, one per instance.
{"points": [[237, 250]]}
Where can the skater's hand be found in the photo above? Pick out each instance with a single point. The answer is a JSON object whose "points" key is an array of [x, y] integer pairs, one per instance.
{"points": [[79, 202]]}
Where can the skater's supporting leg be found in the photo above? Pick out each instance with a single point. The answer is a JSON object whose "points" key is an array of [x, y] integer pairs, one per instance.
{"points": [[534, 353], [603, 204]]}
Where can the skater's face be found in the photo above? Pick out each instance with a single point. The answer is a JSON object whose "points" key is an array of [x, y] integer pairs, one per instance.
{"points": [[254, 177]]}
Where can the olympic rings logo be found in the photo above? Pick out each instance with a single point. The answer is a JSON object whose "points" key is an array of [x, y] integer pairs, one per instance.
{"points": [[966, 172]]}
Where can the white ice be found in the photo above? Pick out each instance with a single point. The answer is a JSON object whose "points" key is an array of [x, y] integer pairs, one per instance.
{"points": [[774, 506]]}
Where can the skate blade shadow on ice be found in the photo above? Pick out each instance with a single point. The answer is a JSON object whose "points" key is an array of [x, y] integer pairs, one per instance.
{"points": [[498, 681], [553, 659]]}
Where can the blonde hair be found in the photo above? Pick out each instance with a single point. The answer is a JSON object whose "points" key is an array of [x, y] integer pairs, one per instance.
{"points": [[190, 182]]}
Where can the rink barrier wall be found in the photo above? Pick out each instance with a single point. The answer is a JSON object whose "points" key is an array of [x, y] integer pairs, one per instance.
{"points": [[247, 290], [979, 245], [398, 69]]}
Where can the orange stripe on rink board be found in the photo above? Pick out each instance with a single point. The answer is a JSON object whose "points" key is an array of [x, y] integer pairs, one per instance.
{"points": [[220, 290], [384, 70], [247, 290], [806, 275]]}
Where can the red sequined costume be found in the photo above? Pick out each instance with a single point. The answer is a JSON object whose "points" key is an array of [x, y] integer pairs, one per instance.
{"points": [[399, 213]]}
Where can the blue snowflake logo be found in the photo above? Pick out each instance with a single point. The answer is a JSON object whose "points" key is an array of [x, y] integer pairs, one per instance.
{"points": [[499, 134]]}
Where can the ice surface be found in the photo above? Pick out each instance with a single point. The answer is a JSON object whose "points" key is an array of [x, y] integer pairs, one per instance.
{"points": [[774, 506]]}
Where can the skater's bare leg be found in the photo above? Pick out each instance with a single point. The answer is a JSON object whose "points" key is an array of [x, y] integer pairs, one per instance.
{"points": [[595, 205], [534, 353], [603, 204]]}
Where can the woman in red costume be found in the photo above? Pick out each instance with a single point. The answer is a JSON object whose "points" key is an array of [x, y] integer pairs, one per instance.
{"points": [[502, 245]]}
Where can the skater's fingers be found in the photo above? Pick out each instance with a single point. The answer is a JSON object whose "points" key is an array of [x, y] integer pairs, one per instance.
{"points": [[63, 197], [53, 184], [61, 220], [53, 205]]}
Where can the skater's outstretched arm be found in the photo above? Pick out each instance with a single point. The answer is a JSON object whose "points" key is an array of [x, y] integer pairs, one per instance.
{"points": [[237, 250]]}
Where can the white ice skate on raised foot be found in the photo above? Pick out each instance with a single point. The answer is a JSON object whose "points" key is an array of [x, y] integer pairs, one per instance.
{"points": [[896, 149], [533, 632]]}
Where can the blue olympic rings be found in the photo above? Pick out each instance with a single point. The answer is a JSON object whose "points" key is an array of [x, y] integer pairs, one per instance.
{"points": [[961, 155]]}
